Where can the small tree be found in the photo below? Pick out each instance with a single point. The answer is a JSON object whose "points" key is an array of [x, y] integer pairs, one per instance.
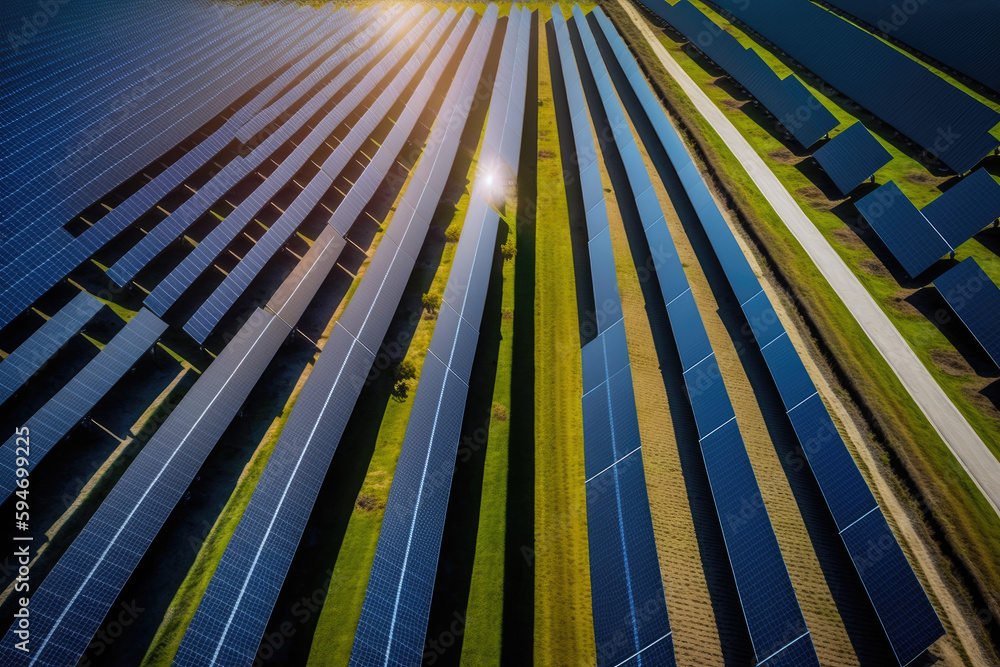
{"points": [[431, 302], [509, 249], [401, 375]]}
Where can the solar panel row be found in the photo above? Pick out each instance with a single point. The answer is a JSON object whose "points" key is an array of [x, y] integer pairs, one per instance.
{"points": [[976, 300], [958, 34], [907, 616], [198, 204], [153, 123], [171, 288], [393, 622], [207, 316], [941, 118], [231, 618], [629, 607], [18, 367], [788, 100], [852, 157], [769, 604], [63, 411], [69, 606], [918, 238]]}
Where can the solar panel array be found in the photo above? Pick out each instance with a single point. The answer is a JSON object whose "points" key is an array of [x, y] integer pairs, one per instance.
{"points": [[906, 615], [233, 613], [851, 157], [201, 323], [918, 238], [62, 412], [958, 34], [965, 208], [393, 622], [976, 300], [240, 167], [941, 118], [770, 607], [630, 613], [45, 263], [788, 100], [904, 230], [30, 355], [207, 73]]}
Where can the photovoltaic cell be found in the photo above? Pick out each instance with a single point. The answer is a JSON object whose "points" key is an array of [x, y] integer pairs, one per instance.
{"points": [[233, 613], [976, 300], [852, 157], [965, 208], [25, 361], [838, 477], [904, 230], [72, 403]]}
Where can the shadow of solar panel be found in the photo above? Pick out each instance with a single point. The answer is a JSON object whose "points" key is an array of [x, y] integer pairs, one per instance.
{"points": [[769, 604], [965, 208], [32, 354], [630, 611], [851, 157], [905, 612], [914, 243], [976, 300]]}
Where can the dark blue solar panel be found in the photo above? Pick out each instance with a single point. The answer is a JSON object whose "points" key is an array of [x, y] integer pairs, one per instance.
{"points": [[846, 493], [709, 399], [607, 302], [799, 653], [762, 320], [965, 208], [906, 614], [852, 157], [23, 362], [769, 605], [790, 376], [959, 34], [689, 332], [629, 606], [976, 300], [914, 243], [940, 117]]}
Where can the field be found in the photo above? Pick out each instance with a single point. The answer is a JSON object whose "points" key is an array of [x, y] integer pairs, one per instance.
{"points": [[513, 581]]}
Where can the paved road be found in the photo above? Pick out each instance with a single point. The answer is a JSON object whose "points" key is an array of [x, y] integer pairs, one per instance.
{"points": [[964, 442]]}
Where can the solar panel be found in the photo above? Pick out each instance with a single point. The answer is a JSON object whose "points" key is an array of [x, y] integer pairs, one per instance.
{"points": [[630, 615], [976, 300], [940, 117], [184, 215], [175, 284], [852, 157], [69, 606], [72, 403], [234, 610], [32, 354], [843, 488], [904, 230], [207, 316], [958, 34], [965, 208]]}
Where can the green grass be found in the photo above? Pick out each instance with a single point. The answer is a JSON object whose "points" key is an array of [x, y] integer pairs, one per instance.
{"points": [[564, 632], [941, 490], [334, 635]]}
